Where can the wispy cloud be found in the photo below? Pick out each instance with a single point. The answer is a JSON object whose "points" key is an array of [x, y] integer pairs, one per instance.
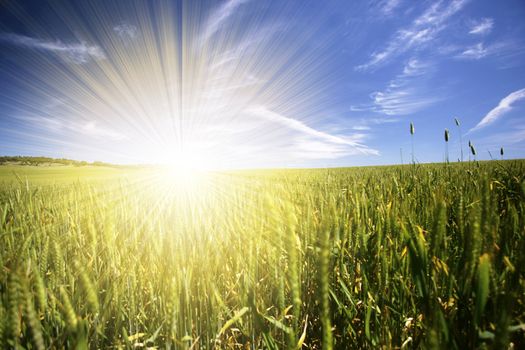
{"points": [[422, 30], [77, 52], [126, 31], [504, 106], [57, 125], [361, 127], [474, 52], [259, 37], [405, 94], [482, 27], [506, 138], [92, 129], [218, 17], [503, 49], [414, 67], [367, 124], [319, 138], [388, 7], [48, 123], [400, 101]]}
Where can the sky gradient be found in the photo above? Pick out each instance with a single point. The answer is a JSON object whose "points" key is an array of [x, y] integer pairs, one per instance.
{"points": [[246, 83]]}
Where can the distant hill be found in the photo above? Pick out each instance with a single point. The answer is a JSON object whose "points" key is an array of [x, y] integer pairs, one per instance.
{"points": [[43, 161]]}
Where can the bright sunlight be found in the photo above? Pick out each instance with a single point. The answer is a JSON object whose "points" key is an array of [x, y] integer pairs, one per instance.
{"points": [[250, 174]]}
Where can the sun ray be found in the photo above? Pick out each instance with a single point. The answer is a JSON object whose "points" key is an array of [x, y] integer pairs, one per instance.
{"points": [[159, 81]]}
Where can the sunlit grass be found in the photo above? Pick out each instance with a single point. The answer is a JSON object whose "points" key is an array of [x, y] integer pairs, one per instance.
{"points": [[138, 257]]}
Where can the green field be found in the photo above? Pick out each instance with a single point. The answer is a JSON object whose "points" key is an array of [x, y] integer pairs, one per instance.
{"points": [[414, 256]]}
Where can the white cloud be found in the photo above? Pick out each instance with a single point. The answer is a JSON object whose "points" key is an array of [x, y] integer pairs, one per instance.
{"points": [[511, 137], [61, 125], [76, 52], [414, 67], [506, 50], [482, 27], [126, 31], [422, 30], [405, 94], [319, 139], [504, 106], [48, 123], [92, 129], [404, 101], [219, 16], [258, 37], [388, 7], [365, 124], [361, 128], [475, 52]]}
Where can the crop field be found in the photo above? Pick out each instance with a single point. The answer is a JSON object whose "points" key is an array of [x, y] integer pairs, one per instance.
{"points": [[414, 256]]}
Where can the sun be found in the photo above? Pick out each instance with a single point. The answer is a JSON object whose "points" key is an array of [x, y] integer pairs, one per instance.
{"points": [[188, 162], [186, 171]]}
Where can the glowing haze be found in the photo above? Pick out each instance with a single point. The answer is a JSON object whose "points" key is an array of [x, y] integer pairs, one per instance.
{"points": [[235, 84]]}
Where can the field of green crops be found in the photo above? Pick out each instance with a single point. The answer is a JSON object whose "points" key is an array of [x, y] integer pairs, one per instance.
{"points": [[414, 256]]}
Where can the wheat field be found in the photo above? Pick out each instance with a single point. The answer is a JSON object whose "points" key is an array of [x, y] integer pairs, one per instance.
{"points": [[414, 256]]}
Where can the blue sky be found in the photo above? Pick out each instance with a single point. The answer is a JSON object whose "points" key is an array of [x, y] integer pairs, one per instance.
{"points": [[246, 83]]}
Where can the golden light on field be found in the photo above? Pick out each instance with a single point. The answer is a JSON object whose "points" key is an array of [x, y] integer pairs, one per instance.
{"points": [[202, 237]]}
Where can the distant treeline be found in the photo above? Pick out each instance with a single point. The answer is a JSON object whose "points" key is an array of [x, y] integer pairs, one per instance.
{"points": [[23, 160]]}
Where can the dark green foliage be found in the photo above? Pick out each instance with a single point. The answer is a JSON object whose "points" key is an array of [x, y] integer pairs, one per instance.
{"points": [[25, 160]]}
